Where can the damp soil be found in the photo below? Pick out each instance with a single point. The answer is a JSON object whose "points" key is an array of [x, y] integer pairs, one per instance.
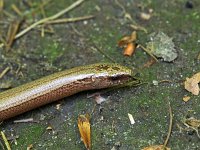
{"points": [[95, 40]]}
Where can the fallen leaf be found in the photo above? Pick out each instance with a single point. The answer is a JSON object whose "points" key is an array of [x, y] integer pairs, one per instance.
{"points": [[191, 84], [129, 49], [127, 39], [186, 98], [124, 41], [195, 123], [84, 129], [162, 46], [156, 147], [128, 42]]}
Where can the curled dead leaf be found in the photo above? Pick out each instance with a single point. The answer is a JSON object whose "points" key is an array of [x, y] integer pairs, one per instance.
{"points": [[124, 41], [128, 42], [84, 129], [191, 84], [127, 39], [129, 50], [195, 123]]}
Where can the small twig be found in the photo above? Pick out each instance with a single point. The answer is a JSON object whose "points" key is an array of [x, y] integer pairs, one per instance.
{"points": [[148, 52], [3, 42], [65, 20], [8, 14], [4, 72], [16, 9], [104, 54], [44, 16], [121, 6], [26, 120], [5, 140], [128, 16], [49, 18], [2, 145], [12, 31], [170, 127], [1, 5]]}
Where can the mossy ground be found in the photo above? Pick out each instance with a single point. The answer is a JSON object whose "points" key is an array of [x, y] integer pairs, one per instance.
{"points": [[39, 56]]}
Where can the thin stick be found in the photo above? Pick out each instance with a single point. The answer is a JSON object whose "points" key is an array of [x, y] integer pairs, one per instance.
{"points": [[1, 5], [103, 53], [49, 18], [44, 16], [148, 52], [26, 121], [5, 141], [13, 29], [4, 72], [170, 127], [65, 20], [16, 9]]}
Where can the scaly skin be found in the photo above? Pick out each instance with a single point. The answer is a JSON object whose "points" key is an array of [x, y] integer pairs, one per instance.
{"points": [[62, 84]]}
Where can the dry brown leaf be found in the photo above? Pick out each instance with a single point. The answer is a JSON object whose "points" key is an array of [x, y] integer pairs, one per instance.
{"points": [[124, 41], [186, 98], [127, 39], [195, 123], [191, 84], [30, 147], [84, 129], [130, 49], [156, 147]]}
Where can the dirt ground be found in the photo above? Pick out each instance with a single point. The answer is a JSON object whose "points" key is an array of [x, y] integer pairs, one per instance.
{"points": [[66, 45]]}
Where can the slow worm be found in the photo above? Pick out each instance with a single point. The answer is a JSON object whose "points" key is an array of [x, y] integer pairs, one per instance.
{"points": [[48, 89]]}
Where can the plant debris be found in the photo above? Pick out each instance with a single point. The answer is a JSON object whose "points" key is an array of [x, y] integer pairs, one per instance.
{"points": [[4, 72], [193, 124], [131, 118], [84, 129], [163, 147], [5, 140], [99, 99], [26, 121], [156, 147], [186, 98], [127, 39], [162, 46], [149, 63], [30, 147], [191, 84], [145, 16], [128, 43], [12, 31]]}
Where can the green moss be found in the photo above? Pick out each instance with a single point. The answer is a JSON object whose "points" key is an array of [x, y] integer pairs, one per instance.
{"points": [[30, 134]]}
